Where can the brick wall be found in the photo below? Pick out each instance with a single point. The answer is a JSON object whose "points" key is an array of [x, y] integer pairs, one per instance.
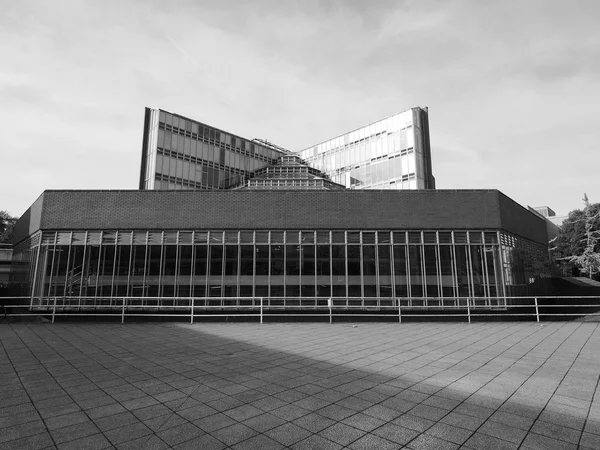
{"points": [[360, 209], [348, 209]]}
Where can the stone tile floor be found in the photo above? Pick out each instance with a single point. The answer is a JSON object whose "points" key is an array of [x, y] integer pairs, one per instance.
{"points": [[300, 386]]}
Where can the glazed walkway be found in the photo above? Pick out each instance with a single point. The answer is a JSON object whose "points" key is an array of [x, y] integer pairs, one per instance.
{"points": [[301, 386]]}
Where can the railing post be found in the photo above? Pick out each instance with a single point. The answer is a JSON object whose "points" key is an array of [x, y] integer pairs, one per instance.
{"points": [[123, 312], [399, 313], [54, 310], [537, 312], [330, 303], [469, 308], [261, 310], [192, 310]]}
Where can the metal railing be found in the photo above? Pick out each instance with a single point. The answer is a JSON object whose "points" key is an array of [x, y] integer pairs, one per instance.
{"points": [[398, 308]]}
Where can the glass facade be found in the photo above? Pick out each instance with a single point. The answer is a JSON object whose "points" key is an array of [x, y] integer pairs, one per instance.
{"points": [[305, 267], [180, 153], [390, 154]]}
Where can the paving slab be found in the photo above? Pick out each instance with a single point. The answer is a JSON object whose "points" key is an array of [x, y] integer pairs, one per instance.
{"points": [[299, 385]]}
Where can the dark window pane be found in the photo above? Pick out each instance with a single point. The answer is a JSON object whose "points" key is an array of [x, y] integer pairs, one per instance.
{"points": [[353, 260], [216, 260], [292, 260], [200, 262], [323, 260], [308, 260], [246, 260], [369, 261], [231, 260], [262, 260]]}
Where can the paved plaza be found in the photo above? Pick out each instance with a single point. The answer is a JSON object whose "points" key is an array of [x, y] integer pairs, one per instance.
{"points": [[300, 385]]}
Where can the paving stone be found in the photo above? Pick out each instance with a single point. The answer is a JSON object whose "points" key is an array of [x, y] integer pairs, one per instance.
{"points": [[427, 442], [93, 442], [73, 432], [370, 441], [341, 434], [556, 432], [148, 442], [450, 433], [214, 422], [204, 442], [315, 442], [56, 422], [288, 434], [413, 422], [538, 442], [396, 433], [363, 422], [40, 440], [165, 422], [291, 412], [382, 413], [258, 442], [462, 421], [480, 440], [127, 433], [233, 434], [181, 433], [116, 421], [502, 431]]}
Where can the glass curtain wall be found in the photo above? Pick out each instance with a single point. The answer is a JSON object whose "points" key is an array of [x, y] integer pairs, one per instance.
{"points": [[420, 268], [185, 154], [383, 155]]}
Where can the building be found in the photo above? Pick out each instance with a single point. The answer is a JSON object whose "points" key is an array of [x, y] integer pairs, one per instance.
{"points": [[219, 218], [393, 153], [291, 247], [181, 153]]}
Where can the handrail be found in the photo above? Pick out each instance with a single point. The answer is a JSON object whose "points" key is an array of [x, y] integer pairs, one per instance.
{"points": [[403, 308]]}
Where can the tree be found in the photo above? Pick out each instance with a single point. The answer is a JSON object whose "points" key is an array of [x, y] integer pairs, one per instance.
{"points": [[577, 246], [7, 225]]}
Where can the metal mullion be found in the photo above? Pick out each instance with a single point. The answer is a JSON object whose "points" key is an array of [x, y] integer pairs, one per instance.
{"points": [[145, 269], [362, 272], [35, 273], [423, 269], [377, 286], [284, 267], [455, 273], [114, 269], [52, 267], [408, 267], [239, 268], [501, 259], [177, 268], [52, 276], [223, 258], [486, 277], [438, 263], [129, 266], [161, 266], [269, 266], [253, 266], [68, 262], [345, 264], [393, 264], [98, 270], [84, 265], [470, 269], [193, 265]]}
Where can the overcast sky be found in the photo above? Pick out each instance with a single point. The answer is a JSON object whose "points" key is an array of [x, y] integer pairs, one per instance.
{"points": [[513, 87]]}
